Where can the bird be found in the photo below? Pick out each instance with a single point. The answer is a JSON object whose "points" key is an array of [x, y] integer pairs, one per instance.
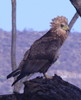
{"points": [[44, 51]]}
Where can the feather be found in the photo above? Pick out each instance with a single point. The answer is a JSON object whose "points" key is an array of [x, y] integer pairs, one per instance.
{"points": [[44, 51], [14, 73]]}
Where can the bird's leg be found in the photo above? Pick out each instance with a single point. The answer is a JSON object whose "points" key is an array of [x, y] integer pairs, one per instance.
{"points": [[47, 76]]}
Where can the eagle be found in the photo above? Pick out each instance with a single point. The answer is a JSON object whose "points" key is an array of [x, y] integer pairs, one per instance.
{"points": [[44, 51]]}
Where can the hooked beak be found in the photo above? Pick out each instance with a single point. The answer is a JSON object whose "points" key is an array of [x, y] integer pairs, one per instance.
{"points": [[66, 28]]}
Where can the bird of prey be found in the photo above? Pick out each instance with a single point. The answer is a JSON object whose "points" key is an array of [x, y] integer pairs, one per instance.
{"points": [[44, 51]]}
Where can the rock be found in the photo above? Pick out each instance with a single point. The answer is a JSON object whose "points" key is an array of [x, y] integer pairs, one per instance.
{"points": [[51, 89], [46, 89]]}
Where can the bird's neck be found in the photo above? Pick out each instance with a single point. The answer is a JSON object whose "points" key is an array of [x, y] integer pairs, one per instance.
{"points": [[59, 35]]}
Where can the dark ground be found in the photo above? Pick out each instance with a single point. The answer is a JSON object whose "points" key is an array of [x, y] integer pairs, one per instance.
{"points": [[46, 89]]}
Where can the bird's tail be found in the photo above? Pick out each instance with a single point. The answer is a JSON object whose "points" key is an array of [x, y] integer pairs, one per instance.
{"points": [[18, 78], [22, 76], [14, 73]]}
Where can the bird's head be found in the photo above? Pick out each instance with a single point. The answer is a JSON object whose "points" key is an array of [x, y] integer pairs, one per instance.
{"points": [[59, 25]]}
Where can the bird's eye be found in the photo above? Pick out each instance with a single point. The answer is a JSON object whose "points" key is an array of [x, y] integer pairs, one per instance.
{"points": [[62, 25]]}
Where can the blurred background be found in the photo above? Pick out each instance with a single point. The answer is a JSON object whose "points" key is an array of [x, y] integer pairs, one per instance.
{"points": [[33, 20]]}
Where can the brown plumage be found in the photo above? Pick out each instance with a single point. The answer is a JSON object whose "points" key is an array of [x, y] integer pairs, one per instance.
{"points": [[44, 51]]}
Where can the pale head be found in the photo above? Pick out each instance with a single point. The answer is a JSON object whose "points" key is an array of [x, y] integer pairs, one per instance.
{"points": [[59, 25]]}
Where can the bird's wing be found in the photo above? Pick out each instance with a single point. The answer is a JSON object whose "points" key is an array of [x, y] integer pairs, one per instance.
{"points": [[31, 66], [45, 48], [18, 70], [42, 49], [39, 57], [23, 60]]}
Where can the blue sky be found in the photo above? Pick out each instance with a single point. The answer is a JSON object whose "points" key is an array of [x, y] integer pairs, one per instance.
{"points": [[36, 14]]}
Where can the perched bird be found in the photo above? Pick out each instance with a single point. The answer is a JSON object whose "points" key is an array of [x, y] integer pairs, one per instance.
{"points": [[44, 51]]}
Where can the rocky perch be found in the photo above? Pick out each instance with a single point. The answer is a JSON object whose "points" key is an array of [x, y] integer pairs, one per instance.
{"points": [[46, 89]]}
